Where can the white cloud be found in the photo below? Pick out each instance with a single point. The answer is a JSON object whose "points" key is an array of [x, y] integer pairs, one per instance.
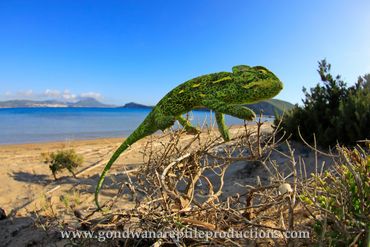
{"points": [[52, 93], [68, 96], [65, 95], [94, 95], [27, 93], [56, 94]]}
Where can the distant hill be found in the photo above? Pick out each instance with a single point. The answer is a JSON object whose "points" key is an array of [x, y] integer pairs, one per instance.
{"points": [[134, 105], [269, 107], [281, 104], [90, 102], [86, 102]]}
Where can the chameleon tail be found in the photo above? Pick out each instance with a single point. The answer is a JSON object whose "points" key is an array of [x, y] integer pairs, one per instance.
{"points": [[144, 129]]}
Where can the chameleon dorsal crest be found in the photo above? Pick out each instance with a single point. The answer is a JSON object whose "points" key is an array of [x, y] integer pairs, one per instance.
{"points": [[240, 68]]}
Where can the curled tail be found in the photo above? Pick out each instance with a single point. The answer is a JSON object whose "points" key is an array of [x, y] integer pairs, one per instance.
{"points": [[146, 128]]}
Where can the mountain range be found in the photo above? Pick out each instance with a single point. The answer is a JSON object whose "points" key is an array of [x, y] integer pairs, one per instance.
{"points": [[269, 107], [86, 102]]}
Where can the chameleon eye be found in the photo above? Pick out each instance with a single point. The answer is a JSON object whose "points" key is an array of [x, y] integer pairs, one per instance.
{"points": [[261, 69]]}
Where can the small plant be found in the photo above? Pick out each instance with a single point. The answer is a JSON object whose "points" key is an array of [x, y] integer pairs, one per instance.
{"points": [[71, 199], [341, 198], [63, 159]]}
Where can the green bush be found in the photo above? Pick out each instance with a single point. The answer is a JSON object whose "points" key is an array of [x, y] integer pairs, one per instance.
{"points": [[332, 111], [63, 159], [340, 200], [354, 113]]}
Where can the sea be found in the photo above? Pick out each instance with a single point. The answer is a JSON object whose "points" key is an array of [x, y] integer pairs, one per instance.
{"points": [[32, 125]]}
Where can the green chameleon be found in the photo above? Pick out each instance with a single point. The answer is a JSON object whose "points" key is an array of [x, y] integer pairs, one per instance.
{"points": [[222, 92]]}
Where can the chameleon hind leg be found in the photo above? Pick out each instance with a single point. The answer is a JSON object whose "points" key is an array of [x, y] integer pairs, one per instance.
{"points": [[222, 127], [187, 125]]}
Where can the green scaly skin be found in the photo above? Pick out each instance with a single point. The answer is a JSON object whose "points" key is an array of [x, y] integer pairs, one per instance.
{"points": [[223, 92]]}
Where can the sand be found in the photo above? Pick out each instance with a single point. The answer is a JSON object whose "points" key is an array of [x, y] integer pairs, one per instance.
{"points": [[25, 177]]}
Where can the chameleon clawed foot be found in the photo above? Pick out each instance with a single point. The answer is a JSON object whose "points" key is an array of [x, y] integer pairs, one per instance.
{"points": [[192, 131], [250, 117], [187, 125]]}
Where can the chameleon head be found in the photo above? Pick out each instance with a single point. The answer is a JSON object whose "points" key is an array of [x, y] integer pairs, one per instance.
{"points": [[258, 83]]}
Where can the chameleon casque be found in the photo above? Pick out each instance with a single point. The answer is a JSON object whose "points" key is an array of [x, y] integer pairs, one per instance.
{"points": [[223, 92]]}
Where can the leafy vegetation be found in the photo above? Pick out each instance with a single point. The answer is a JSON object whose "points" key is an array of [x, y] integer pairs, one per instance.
{"points": [[63, 159], [331, 110], [341, 197]]}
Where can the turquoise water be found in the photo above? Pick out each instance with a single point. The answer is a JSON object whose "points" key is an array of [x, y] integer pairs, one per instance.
{"points": [[29, 125]]}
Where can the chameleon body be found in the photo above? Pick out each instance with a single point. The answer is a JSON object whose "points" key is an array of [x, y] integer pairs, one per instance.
{"points": [[222, 92]]}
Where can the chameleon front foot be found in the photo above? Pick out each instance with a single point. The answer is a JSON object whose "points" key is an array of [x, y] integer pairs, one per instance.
{"points": [[192, 130], [187, 125]]}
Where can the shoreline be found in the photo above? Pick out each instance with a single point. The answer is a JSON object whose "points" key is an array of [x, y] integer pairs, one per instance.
{"points": [[94, 140], [60, 142]]}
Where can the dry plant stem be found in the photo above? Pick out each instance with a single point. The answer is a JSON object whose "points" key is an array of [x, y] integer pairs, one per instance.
{"points": [[164, 194], [259, 124], [292, 196], [249, 200], [356, 239], [163, 177], [313, 148]]}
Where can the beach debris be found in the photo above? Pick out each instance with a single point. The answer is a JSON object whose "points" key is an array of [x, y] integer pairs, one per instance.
{"points": [[285, 188]]}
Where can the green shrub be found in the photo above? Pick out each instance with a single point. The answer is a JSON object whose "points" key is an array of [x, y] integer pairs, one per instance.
{"points": [[63, 159], [340, 198], [332, 111], [354, 112]]}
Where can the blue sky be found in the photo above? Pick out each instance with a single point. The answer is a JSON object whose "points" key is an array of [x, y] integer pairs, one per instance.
{"points": [[122, 51]]}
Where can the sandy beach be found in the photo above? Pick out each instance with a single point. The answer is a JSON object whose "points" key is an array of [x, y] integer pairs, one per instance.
{"points": [[26, 178]]}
